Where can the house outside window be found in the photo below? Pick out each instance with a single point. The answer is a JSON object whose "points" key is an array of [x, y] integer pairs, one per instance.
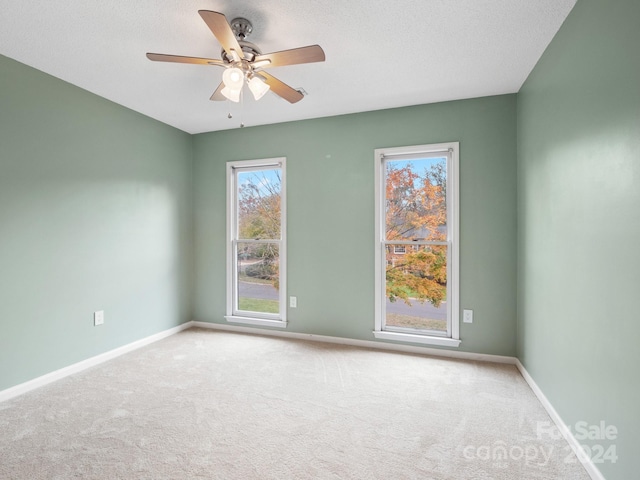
{"points": [[399, 249]]}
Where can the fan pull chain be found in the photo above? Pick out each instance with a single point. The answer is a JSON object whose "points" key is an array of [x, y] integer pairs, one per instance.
{"points": [[230, 115]]}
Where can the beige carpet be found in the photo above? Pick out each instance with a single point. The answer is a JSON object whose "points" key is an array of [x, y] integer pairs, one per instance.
{"points": [[214, 405]]}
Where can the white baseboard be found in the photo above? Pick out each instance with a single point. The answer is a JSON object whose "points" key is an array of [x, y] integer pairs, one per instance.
{"points": [[436, 352], [588, 465], [88, 363]]}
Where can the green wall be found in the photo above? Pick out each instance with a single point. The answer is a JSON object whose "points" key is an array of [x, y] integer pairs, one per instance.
{"points": [[579, 228], [330, 190], [95, 214]]}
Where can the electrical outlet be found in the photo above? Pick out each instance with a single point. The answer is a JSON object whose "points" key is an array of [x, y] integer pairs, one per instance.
{"points": [[98, 317], [293, 302], [467, 316]]}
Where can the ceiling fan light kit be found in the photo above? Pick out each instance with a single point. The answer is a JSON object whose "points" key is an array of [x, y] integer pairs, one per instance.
{"points": [[233, 79], [244, 62]]}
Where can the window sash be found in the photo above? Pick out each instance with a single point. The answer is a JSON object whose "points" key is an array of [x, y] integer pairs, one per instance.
{"points": [[408, 330], [242, 169], [236, 311], [417, 155]]}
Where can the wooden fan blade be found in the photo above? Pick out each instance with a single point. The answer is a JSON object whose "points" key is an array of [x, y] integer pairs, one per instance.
{"points": [[160, 57], [221, 29], [217, 95], [278, 87], [310, 54]]}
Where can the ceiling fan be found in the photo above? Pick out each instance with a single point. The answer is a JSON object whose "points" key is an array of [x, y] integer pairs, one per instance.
{"points": [[244, 62]]}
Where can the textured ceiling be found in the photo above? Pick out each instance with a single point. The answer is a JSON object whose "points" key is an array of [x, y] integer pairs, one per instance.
{"points": [[380, 53]]}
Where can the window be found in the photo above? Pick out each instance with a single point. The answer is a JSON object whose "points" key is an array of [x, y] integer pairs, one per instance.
{"points": [[256, 248], [417, 248]]}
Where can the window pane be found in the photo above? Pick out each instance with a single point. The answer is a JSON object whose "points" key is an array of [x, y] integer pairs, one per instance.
{"points": [[259, 204], [415, 201], [258, 277], [416, 287]]}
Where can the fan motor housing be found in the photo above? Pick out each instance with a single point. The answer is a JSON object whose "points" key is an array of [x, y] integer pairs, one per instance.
{"points": [[250, 51], [242, 28]]}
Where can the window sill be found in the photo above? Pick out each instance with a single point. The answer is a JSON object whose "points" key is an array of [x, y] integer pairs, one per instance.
{"points": [[263, 322], [423, 339]]}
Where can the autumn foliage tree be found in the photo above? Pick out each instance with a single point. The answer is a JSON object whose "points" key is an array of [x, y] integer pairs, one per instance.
{"points": [[416, 211]]}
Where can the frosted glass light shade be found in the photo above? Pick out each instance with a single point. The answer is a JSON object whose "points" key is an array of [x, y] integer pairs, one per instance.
{"points": [[233, 95], [258, 88], [233, 78]]}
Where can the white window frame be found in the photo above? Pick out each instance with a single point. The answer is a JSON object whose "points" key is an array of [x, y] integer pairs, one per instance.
{"points": [[451, 151], [239, 316]]}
